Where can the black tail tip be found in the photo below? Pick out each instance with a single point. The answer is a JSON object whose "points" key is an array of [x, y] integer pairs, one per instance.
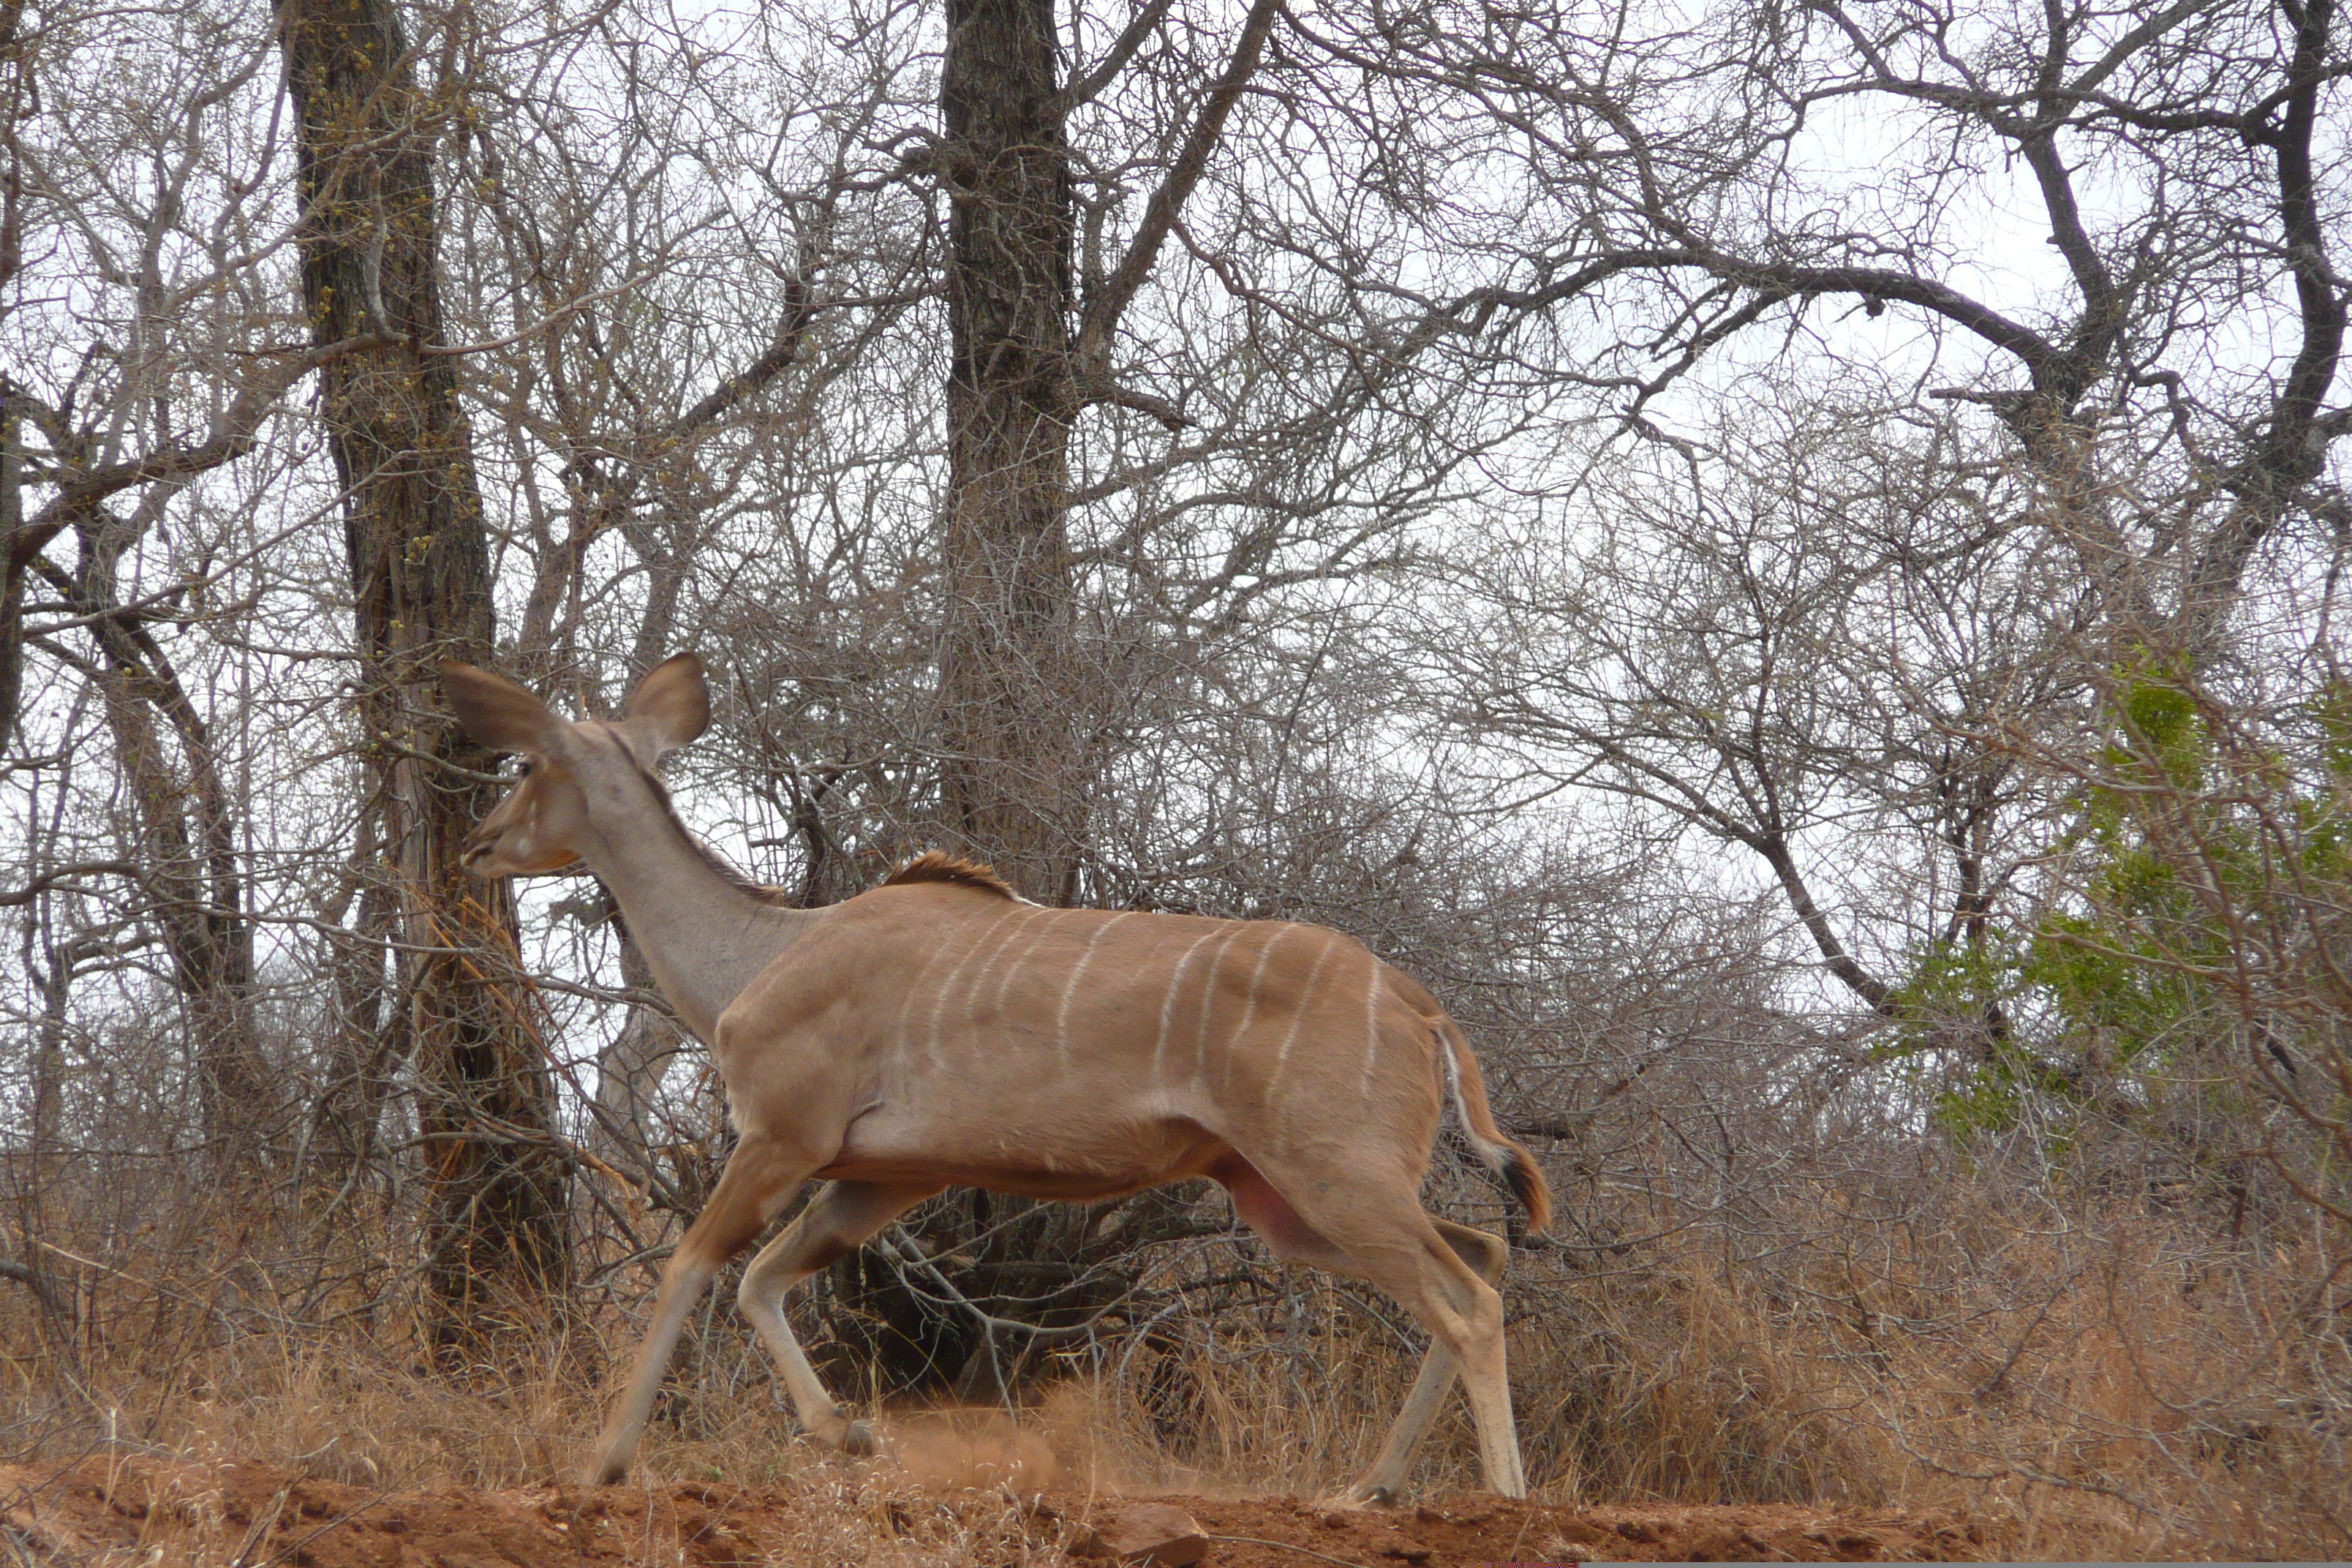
{"points": [[1529, 1187]]}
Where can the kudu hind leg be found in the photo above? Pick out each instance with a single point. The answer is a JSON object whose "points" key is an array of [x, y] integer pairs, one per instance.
{"points": [[1384, 1478], [1401, 1249], [835, 1221], [759, 1179]]}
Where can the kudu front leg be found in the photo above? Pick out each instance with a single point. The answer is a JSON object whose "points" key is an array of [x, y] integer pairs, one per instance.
{"points": [[760, 1177], [836, 1220]]}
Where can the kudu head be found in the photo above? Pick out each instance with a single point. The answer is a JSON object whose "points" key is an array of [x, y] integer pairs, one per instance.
{"points": [[581, 785]]}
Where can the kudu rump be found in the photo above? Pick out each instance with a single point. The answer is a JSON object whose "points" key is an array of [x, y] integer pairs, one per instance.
{"points": [[939, 1031]]}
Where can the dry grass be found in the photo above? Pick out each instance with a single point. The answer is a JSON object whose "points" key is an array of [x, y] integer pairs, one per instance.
{"points": [[2118, 1389], [2098, 1385]]}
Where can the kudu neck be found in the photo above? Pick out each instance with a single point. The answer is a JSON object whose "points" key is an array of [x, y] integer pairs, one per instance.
{"points": [[705, 936]]}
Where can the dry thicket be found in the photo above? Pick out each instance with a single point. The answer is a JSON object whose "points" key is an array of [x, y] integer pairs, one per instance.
{"points": [[1786, 563]]}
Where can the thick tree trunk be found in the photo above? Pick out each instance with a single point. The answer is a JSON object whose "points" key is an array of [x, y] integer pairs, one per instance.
{"points": [[1010, 693], [420, 584], [12, 566], [1010, 681], [15, 558]]}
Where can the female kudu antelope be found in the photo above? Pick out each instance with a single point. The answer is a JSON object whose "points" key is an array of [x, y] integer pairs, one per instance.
{"points": [[939, 1030]]}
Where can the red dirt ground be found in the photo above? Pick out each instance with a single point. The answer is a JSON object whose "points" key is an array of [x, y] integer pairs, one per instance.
{"points": [[256, 1516]]}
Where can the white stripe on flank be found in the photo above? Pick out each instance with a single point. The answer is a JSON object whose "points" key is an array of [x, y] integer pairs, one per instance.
{"points": [[1257, 978], [1017, 965], [971, 992], [1372, 1024], [1209, 1004], [940, 1003], [1299, 1015], [914, 991], [1175, 983], [1454, 1085], [1070, 989]]}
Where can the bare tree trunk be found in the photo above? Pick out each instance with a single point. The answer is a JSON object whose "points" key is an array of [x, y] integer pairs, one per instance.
{"points": [[12, 568], [421, 583], [15, 550], [1008, 675], [371, 1032], [55, 985], [1016, 764], [629, 1070], [187, 832], [2291, 451], [1009, 750]]}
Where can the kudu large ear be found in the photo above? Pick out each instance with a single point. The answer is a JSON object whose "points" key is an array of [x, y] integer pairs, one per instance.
{"points": [[672, 704], [497, 712]]}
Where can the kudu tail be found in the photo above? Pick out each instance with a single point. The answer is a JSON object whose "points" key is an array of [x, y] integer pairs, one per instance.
{"points": [[1503, 1153]]}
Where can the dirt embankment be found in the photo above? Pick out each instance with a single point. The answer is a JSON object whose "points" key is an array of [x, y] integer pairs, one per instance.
{"points": [[258, 1516]]}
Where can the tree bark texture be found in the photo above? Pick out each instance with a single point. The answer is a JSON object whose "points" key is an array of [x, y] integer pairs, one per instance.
{"points": [[420, 571], [1010, 685], [11, 567], [16, 550]]}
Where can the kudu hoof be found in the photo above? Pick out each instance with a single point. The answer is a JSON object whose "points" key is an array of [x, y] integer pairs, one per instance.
{"points": [[857, 1441]]}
